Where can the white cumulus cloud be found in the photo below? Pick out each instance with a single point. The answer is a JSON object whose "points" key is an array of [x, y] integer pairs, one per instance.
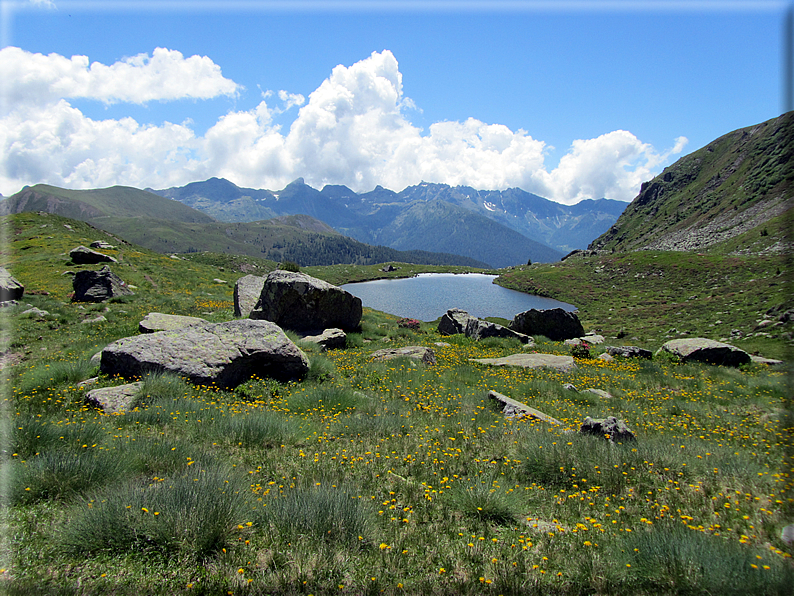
{"points": [[353, 130], [166, 75]]}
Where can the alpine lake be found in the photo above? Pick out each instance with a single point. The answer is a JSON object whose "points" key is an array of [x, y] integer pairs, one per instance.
{"points": [[428, 296]]}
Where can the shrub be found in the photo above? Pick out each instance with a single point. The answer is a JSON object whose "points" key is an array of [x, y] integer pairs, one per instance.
{"points": [[354, 340], [257, 389], [332, 514], [485, 501], [254, 429], [671, 554], [411, 324], [577, 459], [33, 435], [195, 514], [161, 456], [324, 398], [59, 475], [161, 386], [372, 425], [320, 369], [54, 374], [580, 350], [289, 266]]}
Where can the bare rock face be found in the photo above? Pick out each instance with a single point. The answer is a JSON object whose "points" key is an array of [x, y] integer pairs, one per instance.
{"points": [[224, 354], [157, 321], [10, 288], [303, 303], [247, 291], [699, 349], [85, 256], [555, 323], [457, 321], [97, 286]]}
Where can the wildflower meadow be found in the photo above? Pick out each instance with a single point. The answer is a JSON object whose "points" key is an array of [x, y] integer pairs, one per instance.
{"points": [[387, 477]]}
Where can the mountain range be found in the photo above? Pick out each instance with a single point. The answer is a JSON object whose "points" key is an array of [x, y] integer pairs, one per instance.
{"points": [[436, 223], [500, 227], [167, 226]]}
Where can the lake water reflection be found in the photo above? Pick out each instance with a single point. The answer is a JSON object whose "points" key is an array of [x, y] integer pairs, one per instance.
{"points": [[429, 295]]}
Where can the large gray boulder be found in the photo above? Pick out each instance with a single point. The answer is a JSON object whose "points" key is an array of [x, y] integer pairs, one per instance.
{"points": [[561, 363], [223, 354], [10, 288], [699, 349], [247, 291], [456, 320], [555, 323], [85, 256], [157, 321], [97, 286], [303, 303]]}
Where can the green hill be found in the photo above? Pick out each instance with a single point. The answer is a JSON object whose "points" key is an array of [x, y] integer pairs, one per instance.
{"points": [[168, 226], [734, 193], [88, 205]]}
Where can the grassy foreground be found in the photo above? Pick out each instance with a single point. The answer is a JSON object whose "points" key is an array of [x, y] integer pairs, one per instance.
{"points": [[371, 477]]}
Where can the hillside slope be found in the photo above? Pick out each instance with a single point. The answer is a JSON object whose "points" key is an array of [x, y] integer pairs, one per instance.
{"points": [[168, 226], [740, 184], [87, 205]]}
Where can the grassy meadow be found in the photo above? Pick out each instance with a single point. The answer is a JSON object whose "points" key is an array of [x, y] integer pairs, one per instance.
{"points": [[371, 477]]}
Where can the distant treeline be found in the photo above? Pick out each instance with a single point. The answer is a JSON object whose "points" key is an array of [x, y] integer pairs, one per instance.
{"points": [[319, 249]]}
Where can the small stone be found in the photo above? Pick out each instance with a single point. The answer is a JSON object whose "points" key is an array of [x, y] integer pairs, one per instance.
{"points": [[598, 392], [85, 256], [787, 534], [610, 428], [114, 400], [629, 352], [512, 408], [329, 339], [99, 319]]}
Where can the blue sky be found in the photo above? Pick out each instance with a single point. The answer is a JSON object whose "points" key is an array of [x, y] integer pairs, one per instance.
{"points": [[569, 100]]}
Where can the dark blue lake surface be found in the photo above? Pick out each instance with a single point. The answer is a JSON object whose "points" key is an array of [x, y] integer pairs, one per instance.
{"points": [[429, 295]]}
